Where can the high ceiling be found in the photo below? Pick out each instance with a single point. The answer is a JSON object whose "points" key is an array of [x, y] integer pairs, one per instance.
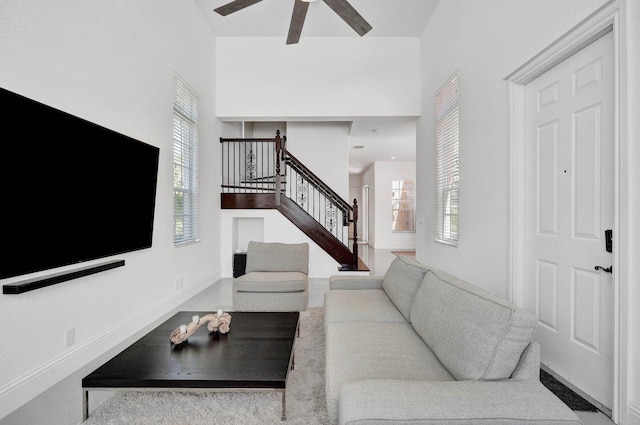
{"points": [[381, 138], [270, 18]]}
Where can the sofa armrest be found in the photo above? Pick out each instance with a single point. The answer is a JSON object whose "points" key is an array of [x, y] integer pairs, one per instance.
{"points": [[529, 365], [384, 402], [355, 282]]}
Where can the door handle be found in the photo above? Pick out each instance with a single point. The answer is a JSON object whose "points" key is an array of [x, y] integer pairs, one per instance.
{"points": [[605, 269]]}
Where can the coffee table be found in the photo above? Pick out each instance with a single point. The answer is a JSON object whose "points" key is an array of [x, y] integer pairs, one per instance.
{"points": [[256, 355]]}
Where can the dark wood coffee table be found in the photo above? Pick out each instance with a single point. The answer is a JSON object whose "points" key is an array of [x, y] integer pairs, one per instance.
{"points": [[256, 355]]}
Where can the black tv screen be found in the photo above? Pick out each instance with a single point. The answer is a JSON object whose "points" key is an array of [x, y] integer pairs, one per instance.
{"points": [[73, 191]]}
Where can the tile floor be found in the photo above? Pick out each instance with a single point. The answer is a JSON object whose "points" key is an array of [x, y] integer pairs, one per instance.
{"points": [[61, 405]]}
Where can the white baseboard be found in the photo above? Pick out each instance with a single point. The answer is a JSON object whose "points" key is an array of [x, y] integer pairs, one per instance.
{"points": [[633, 413], [26, 387]]}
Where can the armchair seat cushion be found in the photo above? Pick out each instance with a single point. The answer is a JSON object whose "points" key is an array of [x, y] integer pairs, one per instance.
{"points": [[271, 282]]}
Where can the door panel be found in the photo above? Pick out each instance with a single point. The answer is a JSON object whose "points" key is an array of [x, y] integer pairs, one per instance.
{"points": [[568, 205]]}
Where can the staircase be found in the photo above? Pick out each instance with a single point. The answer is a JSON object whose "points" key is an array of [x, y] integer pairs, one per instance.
{"points": [[263, 174]]}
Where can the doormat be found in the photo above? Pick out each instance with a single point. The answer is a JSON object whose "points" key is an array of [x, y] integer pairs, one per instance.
{"points": [[569, 397]]}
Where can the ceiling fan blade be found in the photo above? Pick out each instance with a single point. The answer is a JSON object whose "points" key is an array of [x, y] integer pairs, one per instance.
{"points": [[297, 21], [234, 6], [349, 15]]}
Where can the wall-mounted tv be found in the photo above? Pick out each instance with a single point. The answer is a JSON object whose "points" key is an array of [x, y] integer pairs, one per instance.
{"points": [[73, 191]]}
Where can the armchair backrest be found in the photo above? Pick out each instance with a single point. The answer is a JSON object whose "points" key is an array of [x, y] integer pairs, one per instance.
{"points": [[277, 257]]}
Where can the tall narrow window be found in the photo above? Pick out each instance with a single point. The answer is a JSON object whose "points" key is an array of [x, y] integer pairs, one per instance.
{"points": [[447, 163], [185, 163]]}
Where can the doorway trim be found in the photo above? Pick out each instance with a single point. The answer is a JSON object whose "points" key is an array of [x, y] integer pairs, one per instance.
{"points": [[365, 213], [609, 18]]}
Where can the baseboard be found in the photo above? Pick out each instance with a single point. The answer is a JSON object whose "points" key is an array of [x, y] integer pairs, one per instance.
{"points": [[26, 387], [633, 413]]}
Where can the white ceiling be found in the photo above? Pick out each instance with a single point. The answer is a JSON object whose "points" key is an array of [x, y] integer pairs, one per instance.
{"points": [[270, 18], [382, 139], [395, 136]]}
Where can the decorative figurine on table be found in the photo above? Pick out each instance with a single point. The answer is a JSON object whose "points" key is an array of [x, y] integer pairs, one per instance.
{"points": [[217, 322]]}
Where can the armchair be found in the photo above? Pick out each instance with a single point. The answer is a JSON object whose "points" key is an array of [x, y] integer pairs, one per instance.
{"points": [[276, 278]]}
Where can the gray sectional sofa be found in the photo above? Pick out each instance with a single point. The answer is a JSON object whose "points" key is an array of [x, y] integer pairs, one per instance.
{"points": [[419, 346]]}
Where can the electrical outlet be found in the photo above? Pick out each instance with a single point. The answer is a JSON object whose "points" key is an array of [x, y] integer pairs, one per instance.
{"points": [[69, 337]]}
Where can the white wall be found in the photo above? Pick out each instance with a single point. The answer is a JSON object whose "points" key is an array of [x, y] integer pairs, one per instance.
{"points": [[276, 228], [265, 129], [486, 41], [385, 173], [112, 63], [324, 148], [320, 78]]}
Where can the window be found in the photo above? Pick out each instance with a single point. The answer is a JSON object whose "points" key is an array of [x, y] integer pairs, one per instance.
{"points": [[447, 162], [402, 218], [185, 163]]}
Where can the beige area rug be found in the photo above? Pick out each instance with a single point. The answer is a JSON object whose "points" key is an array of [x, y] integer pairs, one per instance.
{"points": [[411, 254], [305, 398]]}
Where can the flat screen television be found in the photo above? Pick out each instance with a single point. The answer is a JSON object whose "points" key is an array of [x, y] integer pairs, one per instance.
{"points": [[73, 191]]}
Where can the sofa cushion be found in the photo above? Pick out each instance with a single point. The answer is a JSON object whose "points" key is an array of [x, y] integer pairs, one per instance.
{"points": [[277, 257], [362, 350], [271, 282], [355, 282], [364, 305], [476, 335], [401, 281], [387, 402]]}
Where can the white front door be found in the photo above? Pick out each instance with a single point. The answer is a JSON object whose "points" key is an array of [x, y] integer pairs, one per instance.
{"points": [[569, 203]]}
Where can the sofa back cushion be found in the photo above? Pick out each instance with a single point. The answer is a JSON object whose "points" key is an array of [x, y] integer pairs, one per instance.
{"points": [[277, 257], [476, 335], [401, 282]]}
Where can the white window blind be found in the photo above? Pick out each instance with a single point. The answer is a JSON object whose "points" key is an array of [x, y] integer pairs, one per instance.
{"points": [[447, 163], [185, 163]]}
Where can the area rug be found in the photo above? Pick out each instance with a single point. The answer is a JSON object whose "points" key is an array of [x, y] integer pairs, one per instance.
{"points": [[305, 397]]}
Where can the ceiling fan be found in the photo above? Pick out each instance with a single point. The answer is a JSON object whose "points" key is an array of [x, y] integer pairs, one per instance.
{"points": [[341, 7]]}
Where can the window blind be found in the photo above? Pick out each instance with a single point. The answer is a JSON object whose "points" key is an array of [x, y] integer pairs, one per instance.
{"points": [[447, 161], [185, 163]]}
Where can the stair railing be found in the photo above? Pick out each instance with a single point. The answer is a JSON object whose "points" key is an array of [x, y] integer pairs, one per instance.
{"points": [[250, 165], [266, 166], [317, 199]]}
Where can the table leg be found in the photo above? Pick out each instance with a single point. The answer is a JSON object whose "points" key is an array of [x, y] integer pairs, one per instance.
{"points": [[284, 406], [85, 404]]}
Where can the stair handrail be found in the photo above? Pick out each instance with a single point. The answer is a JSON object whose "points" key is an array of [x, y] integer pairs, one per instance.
{"points": [[347, 209], [317, 181]]}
